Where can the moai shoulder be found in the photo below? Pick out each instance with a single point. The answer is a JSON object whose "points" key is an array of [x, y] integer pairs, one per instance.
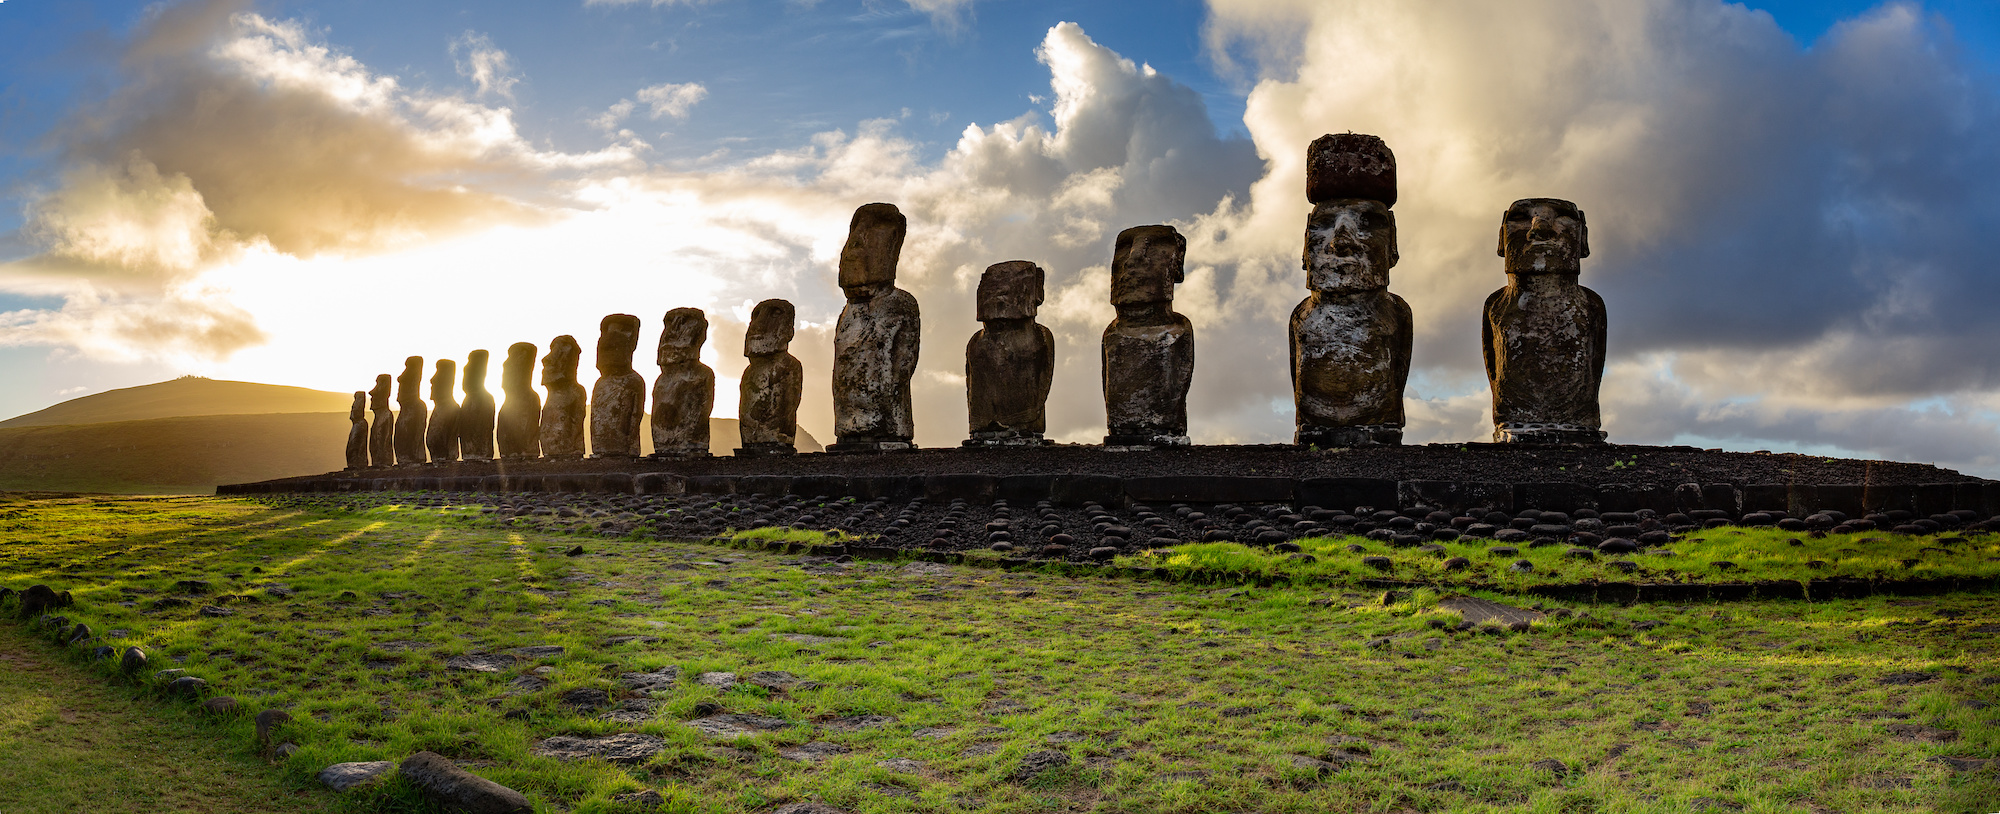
{"points": [[1148, 348], [1544, 333], [684, 393], [772, 384], [1010, 361], [876, 340]]}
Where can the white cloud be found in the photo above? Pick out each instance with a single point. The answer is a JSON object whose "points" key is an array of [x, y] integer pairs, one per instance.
{"points": [[669, 99], [487, 66]]}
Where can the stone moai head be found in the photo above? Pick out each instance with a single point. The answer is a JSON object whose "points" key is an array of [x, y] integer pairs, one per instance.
{"points": [[559, 367], [359, 410], [475, 372], [444, 380], [874, 243], [617, 340], [1544, 236], [1351, 234], [682, 333], [1147, 264], [378, 398], [1350, 245], [1350, 165], [1010, 290], [413, 374], [519, 368], [771, 325]]}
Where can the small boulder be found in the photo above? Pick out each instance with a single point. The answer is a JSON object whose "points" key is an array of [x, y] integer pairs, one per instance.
{"points": [[219, 705], [187, 687], [455, 789], [346, 776], [1036, 764]]}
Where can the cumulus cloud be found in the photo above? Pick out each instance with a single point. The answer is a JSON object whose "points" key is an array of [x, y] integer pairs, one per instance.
{"points": [[669, 99]]}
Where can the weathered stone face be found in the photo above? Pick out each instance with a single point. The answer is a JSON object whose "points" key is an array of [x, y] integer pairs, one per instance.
{"points": [[875, 342], [1010, 290], [618, 399], [382, 432], [441, 435], [768, 398], [874, 244], [1544, 334], [563, 412], [682, 333], [1544, 236], [772, 324], [1148, 349], [519, 428], [357, 432], [1350, 246], [1009, 363], [684, 393], [1146, 264], [475, 414], [411, 417], [1350, 165]]}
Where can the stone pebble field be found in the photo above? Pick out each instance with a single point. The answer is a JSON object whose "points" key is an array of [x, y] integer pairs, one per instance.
{"points": [[609, 653]]}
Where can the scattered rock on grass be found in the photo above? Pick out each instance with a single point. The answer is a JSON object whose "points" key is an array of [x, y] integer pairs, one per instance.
{"points": [[813, 752], [733, 726], [720, 681], [133, 661], [901, 764], [480, 662], [219, 705], [186, 687], [628, 748], [658, 680], [346, 776], [456, 789], [1552, 766], [1906, 679], [540, 651]]}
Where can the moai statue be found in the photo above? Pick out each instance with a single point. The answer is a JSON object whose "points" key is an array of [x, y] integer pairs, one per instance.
{"points": [[563, 413], [768, 403], [475, 414], [1350, 338], [441, 437], [875, 342], [1148, 349], [684, 394], [1544, 333], [1011, 360], [357, 432], [519, 428], [618, 400], [382, 431], [411, 415]]}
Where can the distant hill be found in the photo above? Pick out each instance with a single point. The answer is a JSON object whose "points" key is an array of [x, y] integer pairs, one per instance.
{"points": [[147, 453], [187, 396]]}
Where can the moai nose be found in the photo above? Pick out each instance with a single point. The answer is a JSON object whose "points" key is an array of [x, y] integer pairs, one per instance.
{"points": [[1541, 228]]}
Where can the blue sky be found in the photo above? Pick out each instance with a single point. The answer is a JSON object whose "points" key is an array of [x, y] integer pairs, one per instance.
{"points": [[843, 99]]}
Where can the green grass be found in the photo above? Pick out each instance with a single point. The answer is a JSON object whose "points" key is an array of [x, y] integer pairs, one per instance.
{"points": [[69, 742], [1755, 554], [1168, 697]]}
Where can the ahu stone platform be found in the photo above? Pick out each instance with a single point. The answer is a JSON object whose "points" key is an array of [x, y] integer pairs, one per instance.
{"points": [[1453, 477]]}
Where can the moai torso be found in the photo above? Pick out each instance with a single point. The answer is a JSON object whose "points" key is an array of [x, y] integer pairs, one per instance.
{"points": [[875, 342], [518, 431], [768, 400], [1010, 362], [1350, 338], [357, 432], [411, 417], [382, 433], [563, 412], [441, 437], [1544, 333], [684, 394], [618, 399], [475, 414], [1148, 349]]}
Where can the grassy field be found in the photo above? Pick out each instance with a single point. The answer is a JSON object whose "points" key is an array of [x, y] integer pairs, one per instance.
{"points": [[879, 687]]}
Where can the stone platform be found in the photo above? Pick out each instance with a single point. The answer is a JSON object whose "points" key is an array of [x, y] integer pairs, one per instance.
{"points": [[1606, 478]]}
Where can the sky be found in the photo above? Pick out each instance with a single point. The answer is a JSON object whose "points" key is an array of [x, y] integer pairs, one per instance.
{"points": [[1791, 204]]}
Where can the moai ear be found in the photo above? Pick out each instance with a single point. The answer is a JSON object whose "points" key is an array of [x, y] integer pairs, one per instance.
{"points": [[1582, 236], [1502, 250]]}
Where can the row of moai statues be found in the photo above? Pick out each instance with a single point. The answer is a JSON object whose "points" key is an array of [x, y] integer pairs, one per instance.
{"points": [[1543, 342]]}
